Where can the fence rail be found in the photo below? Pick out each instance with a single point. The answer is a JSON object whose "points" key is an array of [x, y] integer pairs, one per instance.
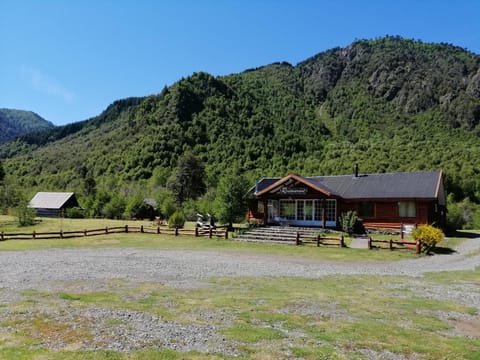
{"points": [[319, 240], [394, 245], [219, 232]]}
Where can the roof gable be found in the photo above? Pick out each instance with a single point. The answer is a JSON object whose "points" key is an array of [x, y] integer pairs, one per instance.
{"points": [[50, 200], [292, 178]]}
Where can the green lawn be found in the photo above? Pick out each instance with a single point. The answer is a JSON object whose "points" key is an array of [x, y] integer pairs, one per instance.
{"points": [[334, 317], [154, 241]]}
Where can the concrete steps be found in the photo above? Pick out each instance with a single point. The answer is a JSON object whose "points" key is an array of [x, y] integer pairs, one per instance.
{"points": [[276, 234]]}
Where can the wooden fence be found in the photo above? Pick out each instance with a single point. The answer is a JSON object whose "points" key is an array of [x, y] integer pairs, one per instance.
{"points": [[319, 240], [219, 232], [394, 245]]}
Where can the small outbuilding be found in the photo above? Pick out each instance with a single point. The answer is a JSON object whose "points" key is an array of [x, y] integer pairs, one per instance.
{"points": [[53, 204]]}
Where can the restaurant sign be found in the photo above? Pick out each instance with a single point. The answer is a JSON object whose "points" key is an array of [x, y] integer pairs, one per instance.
{"points": [[293, 191]]}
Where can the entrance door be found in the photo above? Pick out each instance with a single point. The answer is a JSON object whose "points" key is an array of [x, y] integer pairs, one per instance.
{"points": [[272, 210]]}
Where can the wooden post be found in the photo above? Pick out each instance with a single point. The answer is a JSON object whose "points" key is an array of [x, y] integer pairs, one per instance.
{"points": [[176, 231], [196, 231], [126, 229], [226, 234], [418, 247], [106, 230], [158, 229], [61, 234], [342, 242], [33, 235], [390, 243], [85, 232], [401, 232], [141, 229], [1, 236], [210, 232], [297, 239], [318, 240], [369, 243]]}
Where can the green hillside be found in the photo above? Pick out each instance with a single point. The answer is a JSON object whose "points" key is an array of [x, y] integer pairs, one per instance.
{"points": [[388, 104], [18, 122]]}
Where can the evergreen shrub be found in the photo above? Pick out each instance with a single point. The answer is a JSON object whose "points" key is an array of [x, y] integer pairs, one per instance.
{"points": [[177, 220]]}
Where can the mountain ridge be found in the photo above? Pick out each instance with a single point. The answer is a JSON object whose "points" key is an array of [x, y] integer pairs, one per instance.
{"points": [[389, 104], [15, 122]]}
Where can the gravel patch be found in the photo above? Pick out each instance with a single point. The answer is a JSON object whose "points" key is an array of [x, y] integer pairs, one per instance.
{"points": [[88, 270]]}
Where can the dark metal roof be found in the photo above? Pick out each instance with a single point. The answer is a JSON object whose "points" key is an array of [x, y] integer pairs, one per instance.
{"points": [[406, 185]]}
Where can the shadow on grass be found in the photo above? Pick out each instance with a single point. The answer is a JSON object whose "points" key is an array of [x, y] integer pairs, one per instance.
{"points": [[464, 234]]}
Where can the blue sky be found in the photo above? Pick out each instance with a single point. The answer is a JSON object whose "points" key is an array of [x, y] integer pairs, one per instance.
{"points": [[68, 60]]}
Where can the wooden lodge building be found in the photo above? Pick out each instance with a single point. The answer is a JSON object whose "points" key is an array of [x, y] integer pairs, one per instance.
{"points": [[380, 200]]}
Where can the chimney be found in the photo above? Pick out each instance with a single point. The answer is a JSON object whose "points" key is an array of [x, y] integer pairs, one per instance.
{"points": [[356, 171]]}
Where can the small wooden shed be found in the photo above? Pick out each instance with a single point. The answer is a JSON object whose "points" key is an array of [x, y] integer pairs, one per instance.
{"points": [[53, 204]]}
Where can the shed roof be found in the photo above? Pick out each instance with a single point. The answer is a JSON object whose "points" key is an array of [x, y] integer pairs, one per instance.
{"points": [[404, 185], [50, 200]]}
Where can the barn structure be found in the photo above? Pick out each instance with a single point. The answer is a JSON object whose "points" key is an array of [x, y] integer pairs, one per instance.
{"points": [[380, 200], [53, 204]]}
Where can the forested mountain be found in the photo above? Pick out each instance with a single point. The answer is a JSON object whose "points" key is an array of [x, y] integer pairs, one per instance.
{"points": [[388, 104], [18, 122]]}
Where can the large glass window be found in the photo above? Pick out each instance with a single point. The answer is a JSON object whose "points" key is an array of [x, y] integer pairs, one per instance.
{"points": [[300, 208], [407, 209], [366, 209], [308, 210], [318, 210], [287, 209], [330, 210]]}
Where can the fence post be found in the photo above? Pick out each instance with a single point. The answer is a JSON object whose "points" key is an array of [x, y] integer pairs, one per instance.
{"points": [[141, 229], [417, 247], [369, 243], [318, 240], [176, 231], [196, 231], [1, 236], [33, 235], [158, 229], [226, 234], [391, 244], [126, 229], [401, 232], [297, 239], [61, 234], [106, 230], [342, 242], [210, 232], [85, 232]]}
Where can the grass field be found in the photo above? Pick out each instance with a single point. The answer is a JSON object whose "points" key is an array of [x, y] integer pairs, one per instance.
{"points": [[335, 317], [332, 318], [7, 224]]}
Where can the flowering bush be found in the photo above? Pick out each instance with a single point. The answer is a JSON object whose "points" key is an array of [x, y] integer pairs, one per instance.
{"points": [[428, 236]]}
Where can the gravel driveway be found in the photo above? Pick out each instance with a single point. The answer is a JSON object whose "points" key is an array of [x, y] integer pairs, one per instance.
{"points": [[87, 270], [43, 269]]}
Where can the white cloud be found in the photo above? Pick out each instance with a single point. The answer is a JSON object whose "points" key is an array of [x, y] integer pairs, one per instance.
{"points": [[45, 84]]}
